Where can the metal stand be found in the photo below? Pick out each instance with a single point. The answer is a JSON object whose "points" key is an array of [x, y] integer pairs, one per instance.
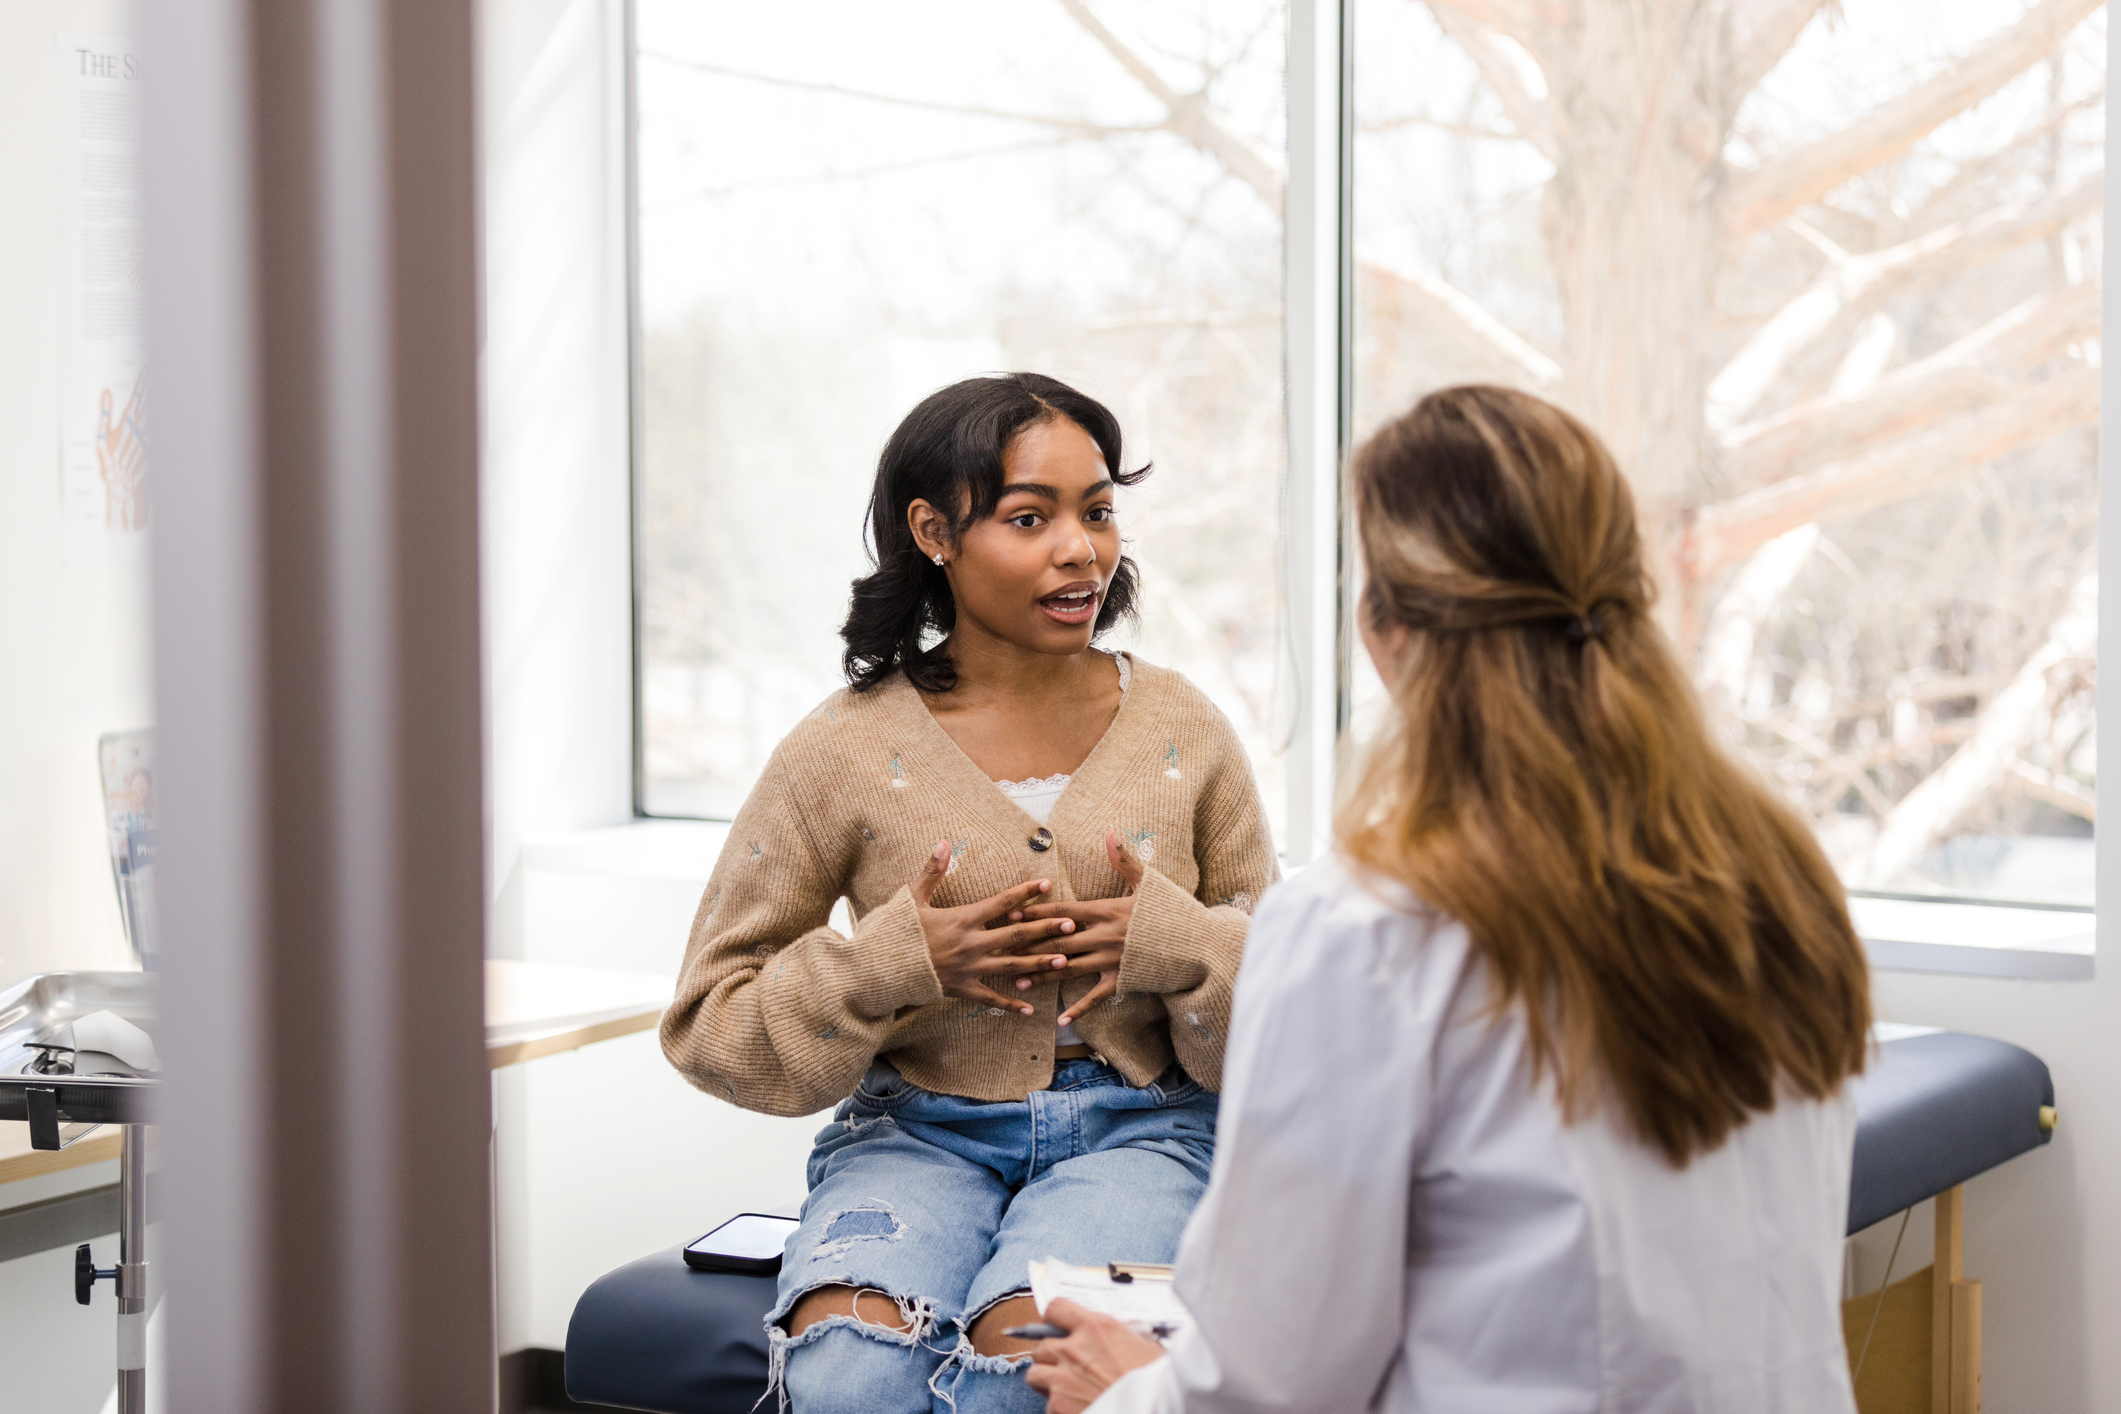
{"points": [[130, 1275], [132, 1272], [64, 1094]]}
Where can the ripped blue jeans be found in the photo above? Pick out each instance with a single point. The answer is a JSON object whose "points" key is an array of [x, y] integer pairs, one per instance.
{"points": [[941, 1202]]}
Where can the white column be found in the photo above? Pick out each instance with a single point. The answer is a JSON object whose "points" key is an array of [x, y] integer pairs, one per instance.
{"points": [[1319, 320], [312, 327], [558, 425]]}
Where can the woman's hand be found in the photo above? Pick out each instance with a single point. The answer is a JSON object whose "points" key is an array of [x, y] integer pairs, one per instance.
{"points": [[1099, 940], [964, 949], [1074, 1371]]}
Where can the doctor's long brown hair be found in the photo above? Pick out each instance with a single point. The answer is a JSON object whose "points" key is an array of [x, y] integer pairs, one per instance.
{"points": [[1674, 934]]}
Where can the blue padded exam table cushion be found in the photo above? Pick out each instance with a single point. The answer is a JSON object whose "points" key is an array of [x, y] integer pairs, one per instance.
{"points": [[657, 1335], [1931, 1112]]}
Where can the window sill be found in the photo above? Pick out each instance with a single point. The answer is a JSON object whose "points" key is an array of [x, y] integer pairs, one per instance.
{"points": [[1975, 939], [1901, 935], [678, 850]]}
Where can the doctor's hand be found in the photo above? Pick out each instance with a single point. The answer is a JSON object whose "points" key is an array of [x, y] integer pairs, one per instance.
{"points": [[1100, 937], [1097, 1350], [964, 948]]}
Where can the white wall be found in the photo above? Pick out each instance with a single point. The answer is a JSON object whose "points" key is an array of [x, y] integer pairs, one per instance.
{"points": [[73, 665], [61, 1358], [73, 641], [605, 1153]]}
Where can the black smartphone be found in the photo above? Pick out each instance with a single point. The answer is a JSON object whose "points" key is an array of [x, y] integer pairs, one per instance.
{"points": [[750, 1243]]}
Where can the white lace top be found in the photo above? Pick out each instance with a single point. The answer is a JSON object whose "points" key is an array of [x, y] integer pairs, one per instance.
{"points": [[1037, 798]]}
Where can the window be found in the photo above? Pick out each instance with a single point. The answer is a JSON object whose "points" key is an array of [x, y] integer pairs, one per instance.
{"points": [[843, 207], [1827, 281]]}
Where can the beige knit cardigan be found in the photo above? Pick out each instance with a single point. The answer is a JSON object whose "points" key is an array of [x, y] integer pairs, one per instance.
{"points": [[777, 1012]]}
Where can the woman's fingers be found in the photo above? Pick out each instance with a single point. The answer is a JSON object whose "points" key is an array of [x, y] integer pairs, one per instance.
{"points": [[1091, 963], [1082, 940], [1073, 1372], [938, 864], [1107, 985], [1104, 959], [1070, 1316], [974, 991], [1023, 937], [1124, 860], [1003, 964], [1080, 909], [1008, 900]]}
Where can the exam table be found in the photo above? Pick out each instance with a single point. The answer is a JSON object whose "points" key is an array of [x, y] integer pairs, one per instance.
{"points": [[1934, 1109]]}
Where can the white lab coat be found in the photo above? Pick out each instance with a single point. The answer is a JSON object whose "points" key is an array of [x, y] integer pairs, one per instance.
{"points": [[1399, 1220]]}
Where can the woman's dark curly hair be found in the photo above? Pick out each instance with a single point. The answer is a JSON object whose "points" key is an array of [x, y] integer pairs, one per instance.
{"points": [[948, 452]]}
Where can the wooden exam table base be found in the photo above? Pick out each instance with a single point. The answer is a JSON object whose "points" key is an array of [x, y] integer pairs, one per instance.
{"points": [[1925, 1353]]}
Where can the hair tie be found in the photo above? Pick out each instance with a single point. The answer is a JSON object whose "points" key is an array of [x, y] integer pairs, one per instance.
{"points": [[1585, 626]]}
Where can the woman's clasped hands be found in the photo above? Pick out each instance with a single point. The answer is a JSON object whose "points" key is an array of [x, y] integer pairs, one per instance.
{"points": [[1098, 939], [964, 946], [1009, 935]]}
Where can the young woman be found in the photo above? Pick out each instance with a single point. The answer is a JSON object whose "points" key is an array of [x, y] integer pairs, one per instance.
{"points": [[1536, 1097], [1050, 853]]}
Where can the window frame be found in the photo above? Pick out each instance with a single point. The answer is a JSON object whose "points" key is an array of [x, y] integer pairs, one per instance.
{"points": [[636, 414]]}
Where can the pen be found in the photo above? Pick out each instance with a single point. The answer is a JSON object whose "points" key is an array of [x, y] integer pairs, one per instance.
{"points": [[1046, 1330], [1040, 1330]]}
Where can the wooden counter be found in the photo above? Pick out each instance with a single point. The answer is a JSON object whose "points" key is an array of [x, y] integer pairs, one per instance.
{"points": [[532, 1009], [542, 1008]]}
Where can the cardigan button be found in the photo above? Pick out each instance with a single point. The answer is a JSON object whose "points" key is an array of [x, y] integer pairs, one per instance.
{"points": [[1041, 840]]}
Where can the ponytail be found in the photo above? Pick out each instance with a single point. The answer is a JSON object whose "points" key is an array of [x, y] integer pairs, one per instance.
{"points": [[1672, 931]]}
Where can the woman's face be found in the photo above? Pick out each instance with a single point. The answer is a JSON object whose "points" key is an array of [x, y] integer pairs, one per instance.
{"points": [[1034, 573]]}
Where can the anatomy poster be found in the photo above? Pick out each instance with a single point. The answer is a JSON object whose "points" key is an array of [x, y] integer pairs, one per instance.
{"points": [[103, 385]]}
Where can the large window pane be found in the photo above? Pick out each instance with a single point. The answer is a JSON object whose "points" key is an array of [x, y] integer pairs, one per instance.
{"points": [[1832, 297], [845, 206]]}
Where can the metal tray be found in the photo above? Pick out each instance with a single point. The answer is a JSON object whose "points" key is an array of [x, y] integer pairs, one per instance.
{"points": [[104, 1090]]}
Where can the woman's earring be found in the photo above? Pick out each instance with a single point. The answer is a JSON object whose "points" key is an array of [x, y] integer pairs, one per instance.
{"points": [[938, 559]]}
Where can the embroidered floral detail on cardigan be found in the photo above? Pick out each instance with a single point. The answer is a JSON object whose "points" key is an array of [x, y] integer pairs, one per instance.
{"points": [[1142, 842], [1171, 760], [898, 774]]}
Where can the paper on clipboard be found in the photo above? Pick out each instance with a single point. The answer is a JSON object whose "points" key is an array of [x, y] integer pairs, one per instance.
{"points": [[1147, 1300]]}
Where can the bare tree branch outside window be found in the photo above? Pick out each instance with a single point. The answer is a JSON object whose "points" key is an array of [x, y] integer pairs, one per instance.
{"points": [[1826, 277]]}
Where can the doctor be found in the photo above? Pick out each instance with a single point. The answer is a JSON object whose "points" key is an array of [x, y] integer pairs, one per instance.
{"points": [[1536, 1091]]}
